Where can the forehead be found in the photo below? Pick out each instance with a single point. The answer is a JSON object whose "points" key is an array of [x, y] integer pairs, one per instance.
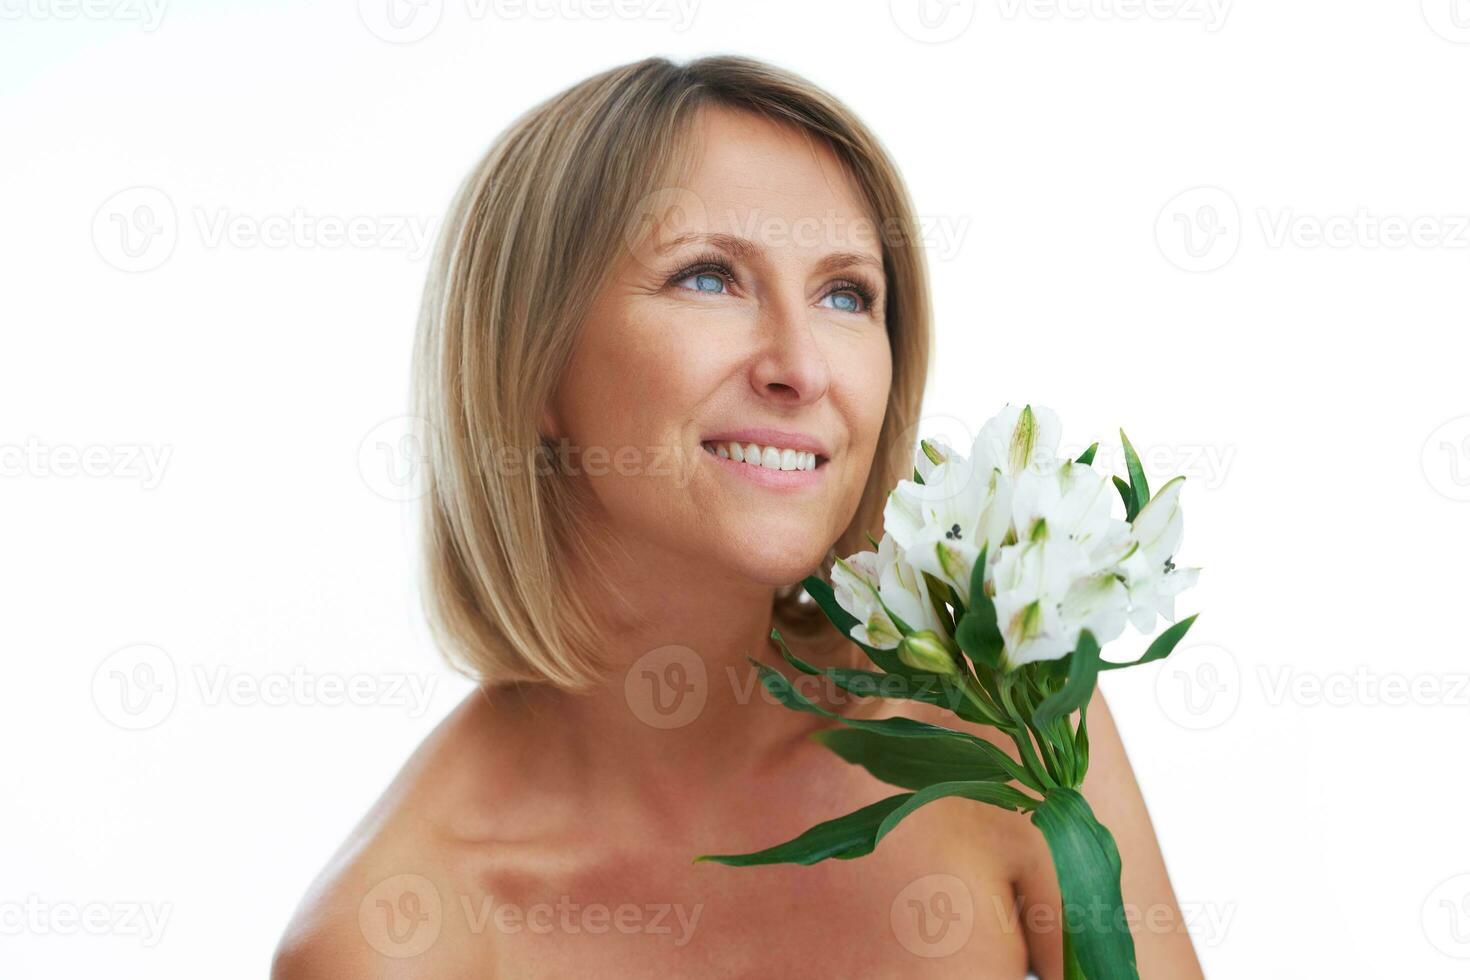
{"points": [[774, 183]]}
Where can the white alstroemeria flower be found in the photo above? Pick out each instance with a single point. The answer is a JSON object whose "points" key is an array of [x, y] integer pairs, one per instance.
{"points": [[1018, 439], [1148, 571], [929, 454], [1031, 580], [859, 580], [1076, 503], [940, 525]]}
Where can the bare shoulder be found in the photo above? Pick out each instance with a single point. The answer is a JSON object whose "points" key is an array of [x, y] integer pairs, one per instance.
{"points": [[378, 907]]}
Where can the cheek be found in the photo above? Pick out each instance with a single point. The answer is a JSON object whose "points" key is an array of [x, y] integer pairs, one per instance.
{"points": [[636, 379], [864, 380]]}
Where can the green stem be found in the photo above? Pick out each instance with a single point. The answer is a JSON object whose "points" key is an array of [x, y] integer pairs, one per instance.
{"points": [[1021, 735]]}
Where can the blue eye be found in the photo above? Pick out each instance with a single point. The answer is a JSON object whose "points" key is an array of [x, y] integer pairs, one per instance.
{"points": [[703, 282], [846, 302]]}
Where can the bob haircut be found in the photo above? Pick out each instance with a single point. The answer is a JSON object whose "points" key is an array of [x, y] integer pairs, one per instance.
{"points": [[553, 200]]}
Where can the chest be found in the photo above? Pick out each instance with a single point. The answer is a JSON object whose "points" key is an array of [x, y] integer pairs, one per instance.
{"points": [[930, 902]]}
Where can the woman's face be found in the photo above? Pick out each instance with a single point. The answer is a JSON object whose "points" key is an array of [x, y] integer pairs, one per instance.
{"points": [[752, 314]]}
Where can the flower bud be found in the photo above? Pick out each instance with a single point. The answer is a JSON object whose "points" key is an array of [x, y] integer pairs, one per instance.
{"points": [[924, 650]]}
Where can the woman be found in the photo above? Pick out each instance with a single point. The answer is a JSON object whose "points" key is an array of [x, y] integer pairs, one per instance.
{"points": [[671, 357]]}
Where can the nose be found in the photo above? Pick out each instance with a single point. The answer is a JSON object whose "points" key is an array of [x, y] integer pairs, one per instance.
{"points": [[791, 367]]}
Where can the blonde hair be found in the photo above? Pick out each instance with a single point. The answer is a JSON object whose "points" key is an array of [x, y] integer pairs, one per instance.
{"points": [[551, 201]]}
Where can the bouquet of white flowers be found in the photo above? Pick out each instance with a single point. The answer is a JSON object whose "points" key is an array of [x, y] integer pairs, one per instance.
{"points": [[999, 577]]}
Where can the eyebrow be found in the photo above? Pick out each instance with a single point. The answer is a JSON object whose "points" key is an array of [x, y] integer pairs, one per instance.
{"points": [[744, 248]]}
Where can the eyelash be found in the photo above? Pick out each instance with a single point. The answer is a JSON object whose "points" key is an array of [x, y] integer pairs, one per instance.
{"points": [[716, 263]]}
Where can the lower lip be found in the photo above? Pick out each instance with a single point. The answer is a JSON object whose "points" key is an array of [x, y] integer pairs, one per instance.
{"points": [[768, 477]]}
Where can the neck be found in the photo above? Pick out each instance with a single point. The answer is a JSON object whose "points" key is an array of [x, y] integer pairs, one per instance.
{"points": [[681, 703]]}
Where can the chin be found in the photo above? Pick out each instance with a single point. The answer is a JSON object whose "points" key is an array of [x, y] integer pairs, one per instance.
{"points": [[778, 565]]}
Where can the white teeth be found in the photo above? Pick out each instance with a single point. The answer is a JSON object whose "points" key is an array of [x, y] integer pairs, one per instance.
{"points": [[771, 457]]}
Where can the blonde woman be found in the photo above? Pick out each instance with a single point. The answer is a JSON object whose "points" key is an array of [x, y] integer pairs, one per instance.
{"points": [[671, 355]]}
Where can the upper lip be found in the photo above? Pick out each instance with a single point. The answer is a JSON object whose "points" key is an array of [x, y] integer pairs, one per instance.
{"points": [[772, 437]]}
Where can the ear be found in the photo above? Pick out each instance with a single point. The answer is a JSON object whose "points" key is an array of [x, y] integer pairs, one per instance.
{"points": [[550, 427]]}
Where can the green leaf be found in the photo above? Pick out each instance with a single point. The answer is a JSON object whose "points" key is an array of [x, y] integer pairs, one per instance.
{"points": [[915, 765], [1135, 474], [859, 832], [1087, 455], [1126, 492], [900, 727], [982, 791], [917, 478], [845, 838], [823, 595], [1081, 680], [1089, 872], [1161, 647], [977, 633], [927, 688]]}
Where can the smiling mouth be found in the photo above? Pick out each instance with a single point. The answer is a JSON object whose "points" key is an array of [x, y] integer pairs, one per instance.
{"points": [[762, 457]]}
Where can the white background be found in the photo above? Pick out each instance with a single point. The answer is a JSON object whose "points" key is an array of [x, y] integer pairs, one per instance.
{"points": [[1238, 229]]}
